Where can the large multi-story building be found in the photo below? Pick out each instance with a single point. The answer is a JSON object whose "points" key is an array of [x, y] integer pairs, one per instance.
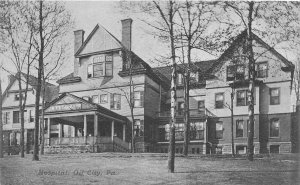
{"points": [[92, 111], [11, 111]]}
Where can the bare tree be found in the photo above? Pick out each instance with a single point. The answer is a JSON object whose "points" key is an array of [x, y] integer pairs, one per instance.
{"points": [[53, 21], [1, 123], [275, 21], [19, 42]]}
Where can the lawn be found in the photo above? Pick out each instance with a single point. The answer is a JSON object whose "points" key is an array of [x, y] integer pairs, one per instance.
{"points": [[119, 168]]}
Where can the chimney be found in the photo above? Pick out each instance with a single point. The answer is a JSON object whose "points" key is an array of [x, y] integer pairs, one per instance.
{"points": [[78, 41], [126, 33]]}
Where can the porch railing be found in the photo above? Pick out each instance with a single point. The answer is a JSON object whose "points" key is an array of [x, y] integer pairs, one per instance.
{"points": [[116, 143], [193, 113]]}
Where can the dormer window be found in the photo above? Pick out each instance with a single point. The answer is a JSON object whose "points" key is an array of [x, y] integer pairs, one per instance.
{"points": [[235, 72], [101, 66]]}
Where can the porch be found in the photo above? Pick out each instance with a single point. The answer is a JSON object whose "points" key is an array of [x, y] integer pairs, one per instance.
{"points": [[76, 123]]}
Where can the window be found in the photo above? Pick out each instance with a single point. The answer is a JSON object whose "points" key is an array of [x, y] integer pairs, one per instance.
{"points": [[6, 117], [219, 100], [31, 116], [241, 98], [95, 99], [262, 70], [138, 99], [219, 130], [103, 98], [179, 79], [101, 66], [108, 65], [274, 149], [240, 149], [274, 96], [197, 131], [201, 106], [239, 128], [180, 108], [274, 128], [139, 127], [16, 117], [115, 101], [235, 72]]}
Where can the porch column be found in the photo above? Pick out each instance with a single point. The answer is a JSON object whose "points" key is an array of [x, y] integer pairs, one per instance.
{"points": [[96, 125], [49, 130], [124, 128], [73, 130], [60, 132], [112, 129], [84, 128], [205, 137]]}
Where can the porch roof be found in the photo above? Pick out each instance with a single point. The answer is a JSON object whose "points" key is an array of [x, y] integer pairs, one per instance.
{"points": [[69, 103]]}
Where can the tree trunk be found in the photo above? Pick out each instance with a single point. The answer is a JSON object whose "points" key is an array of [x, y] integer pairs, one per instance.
{"points": [[21, 114], [1, 123], [187, 105], [42, 116], [38, 89], [171, 156], [232, 122], [250, 148]]}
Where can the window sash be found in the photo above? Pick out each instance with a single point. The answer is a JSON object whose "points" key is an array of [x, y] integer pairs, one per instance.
{"points": [[115, 101], [138, 99], [98, 70], [95, 99], [239, 128], [219, 100], [103, 98], [274, 128], [16, 116], [108, 68], [219, 130], [274, 96]]}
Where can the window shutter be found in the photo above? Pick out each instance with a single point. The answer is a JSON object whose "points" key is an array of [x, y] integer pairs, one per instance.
{"points": [[142, 98], [111, 101], [4, 118]]}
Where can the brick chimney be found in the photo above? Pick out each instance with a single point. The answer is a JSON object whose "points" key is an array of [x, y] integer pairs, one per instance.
{"points": [[78, 41], [126, 33]]}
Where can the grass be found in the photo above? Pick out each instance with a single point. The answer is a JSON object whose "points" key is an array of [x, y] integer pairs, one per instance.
{"points": [[121, 168]]}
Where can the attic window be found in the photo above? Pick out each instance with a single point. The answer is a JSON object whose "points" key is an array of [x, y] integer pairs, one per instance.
{"points": [[235, 72], [262, 70], [101, 66]]}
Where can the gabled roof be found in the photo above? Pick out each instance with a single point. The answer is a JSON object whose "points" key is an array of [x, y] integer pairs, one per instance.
{"points": [[109, 41], [88, 106], [50, 89], [241, 38]]}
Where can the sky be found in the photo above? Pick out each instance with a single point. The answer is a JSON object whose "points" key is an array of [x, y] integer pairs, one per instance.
{"points": [[87, 14]]}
